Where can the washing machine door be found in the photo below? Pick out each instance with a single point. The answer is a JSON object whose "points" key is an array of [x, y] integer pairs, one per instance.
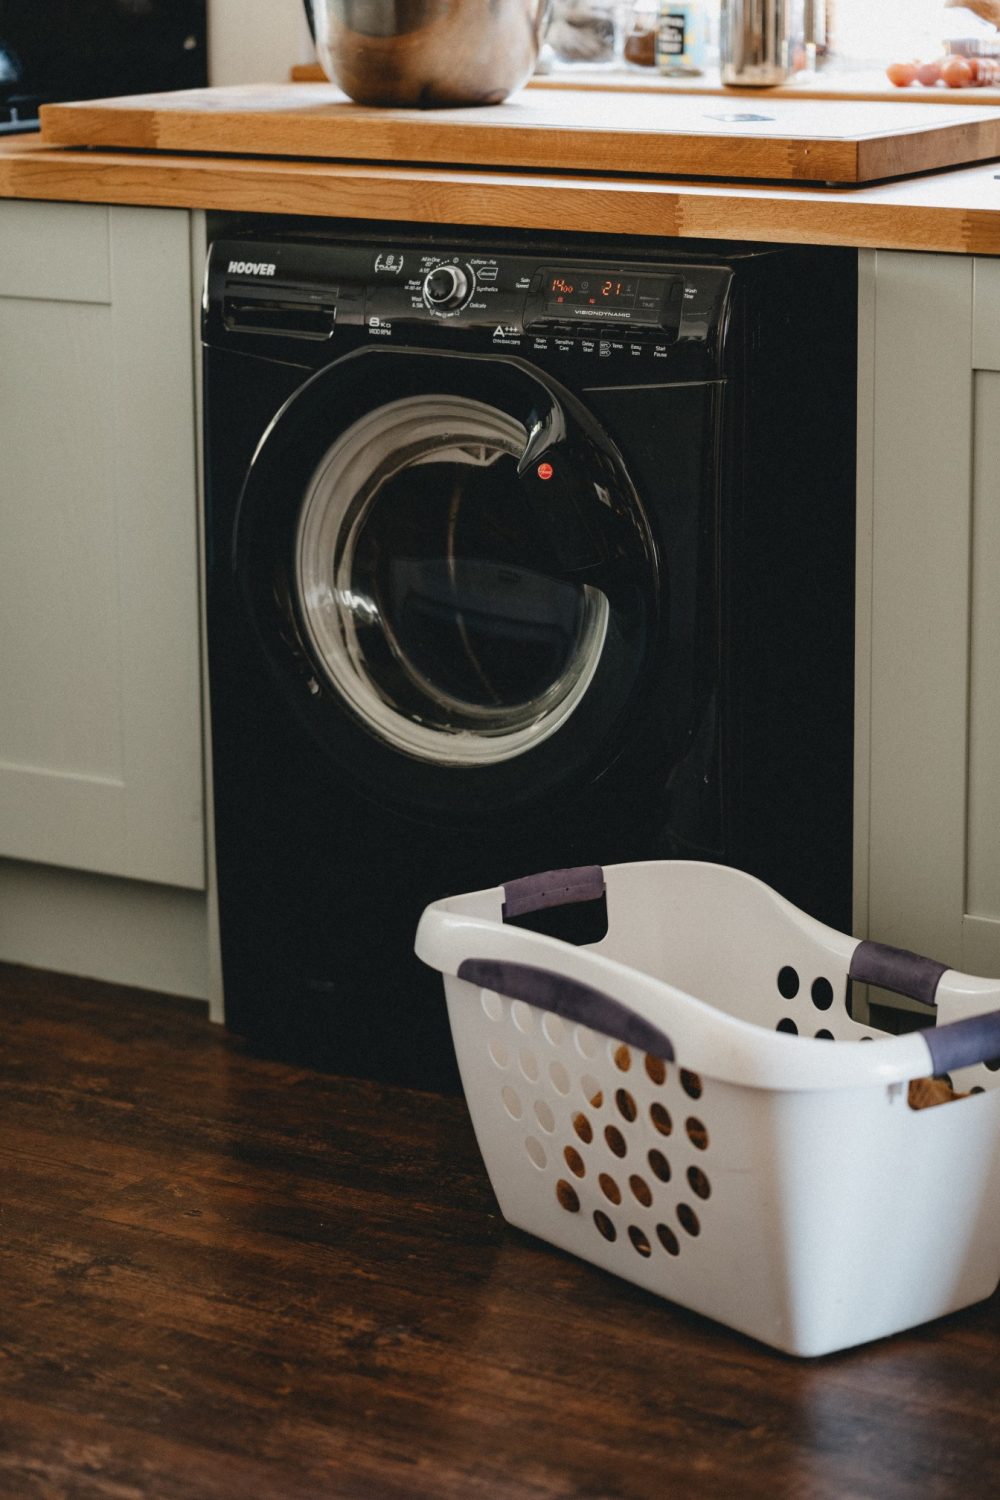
{"points": [[447, 566]]}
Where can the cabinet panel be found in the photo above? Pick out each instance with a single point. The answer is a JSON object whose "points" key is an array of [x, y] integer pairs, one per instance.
{"points": [[983, 876], [100, 739], [55, 252], [986, 331], [929, 730], [58, 601], [921, 510]]}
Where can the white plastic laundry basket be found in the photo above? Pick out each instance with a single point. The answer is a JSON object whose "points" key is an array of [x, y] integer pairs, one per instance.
{"points": [[667, 1103]]}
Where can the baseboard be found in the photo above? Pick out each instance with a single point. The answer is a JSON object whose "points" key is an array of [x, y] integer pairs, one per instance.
{"points": [[123, 931]]}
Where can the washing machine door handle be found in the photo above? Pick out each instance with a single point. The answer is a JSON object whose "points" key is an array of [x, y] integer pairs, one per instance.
{"points": [[568, 471], [548, 431]]}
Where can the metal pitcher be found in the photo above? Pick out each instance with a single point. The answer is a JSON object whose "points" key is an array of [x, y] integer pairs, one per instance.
{"points": [[755, 42]]}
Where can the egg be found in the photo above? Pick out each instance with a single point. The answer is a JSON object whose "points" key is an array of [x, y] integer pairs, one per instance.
{"points": [[956, 72], [901, 73], [929, 73]]}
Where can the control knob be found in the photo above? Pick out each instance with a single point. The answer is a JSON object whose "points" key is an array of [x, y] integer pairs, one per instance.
{"points": [[446, 287]]}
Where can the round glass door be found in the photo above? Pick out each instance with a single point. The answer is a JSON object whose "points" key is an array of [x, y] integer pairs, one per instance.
{"points": [[431, 583]]}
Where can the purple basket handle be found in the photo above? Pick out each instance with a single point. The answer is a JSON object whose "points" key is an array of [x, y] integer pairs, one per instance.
{"points": [[568, 998], [553, 888], [897, 969], [960, 1044]]}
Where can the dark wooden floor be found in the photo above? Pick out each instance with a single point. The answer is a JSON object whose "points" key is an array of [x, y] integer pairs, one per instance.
{"points": [[224, 1277]]}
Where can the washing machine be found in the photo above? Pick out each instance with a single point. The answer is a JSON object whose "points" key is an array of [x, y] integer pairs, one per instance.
{"points": [[520, 555]]}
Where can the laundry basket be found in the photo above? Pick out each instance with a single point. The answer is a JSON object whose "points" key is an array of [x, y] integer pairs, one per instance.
{"points": [[689, 1104]]}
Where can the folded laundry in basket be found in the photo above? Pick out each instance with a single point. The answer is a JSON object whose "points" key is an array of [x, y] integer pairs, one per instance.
{"points": [[924, 1093]]}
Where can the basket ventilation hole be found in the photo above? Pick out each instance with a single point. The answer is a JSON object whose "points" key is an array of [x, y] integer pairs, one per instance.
{"points": [[586, 1042], [536, 1151], [977, 1089], [574, 1161], [822, 994], [641, 1190], [639, 1240], [659, 1166], [656, 1068], [688, 1219], [566, 1194], [787, 1024], [626, 1105], [610, 1188], [522, 1017], [492, 1005], [512, 1102], [825, 1036], [788, 982], [529, 1064], [591, 1091], [615, 1139], [668, 1239], [499, 1052], [553, 1029], [560, 1078], [544, 1116], [691, 1084], [699, 1183], [661, 1118], [583, 1128], [994, 1064], [605, 1225], [622, 1058], [697, 1134]]}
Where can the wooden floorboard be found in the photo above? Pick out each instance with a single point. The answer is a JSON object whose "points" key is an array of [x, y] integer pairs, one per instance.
{"points": [[225, 1277]]}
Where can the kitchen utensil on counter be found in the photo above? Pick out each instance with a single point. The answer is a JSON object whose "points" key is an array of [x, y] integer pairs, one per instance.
{"points": [[428, 53], [756, 42]]}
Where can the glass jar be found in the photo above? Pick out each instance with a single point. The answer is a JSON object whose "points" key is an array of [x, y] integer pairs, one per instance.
{"points": [[640, 34], [586, 33]]}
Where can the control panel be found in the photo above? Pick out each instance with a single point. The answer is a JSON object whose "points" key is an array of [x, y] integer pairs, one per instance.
{"points": [[517, 296], [556, 307]]}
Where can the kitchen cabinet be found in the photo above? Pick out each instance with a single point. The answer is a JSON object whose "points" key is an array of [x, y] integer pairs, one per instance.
{"points": [[928, 722], [100, 735]]}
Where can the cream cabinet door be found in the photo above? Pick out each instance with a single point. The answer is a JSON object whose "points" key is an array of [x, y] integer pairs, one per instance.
{"points": [[100, 731], [928, 709]]}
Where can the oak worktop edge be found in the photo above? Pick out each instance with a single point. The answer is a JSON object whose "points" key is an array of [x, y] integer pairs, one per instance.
{"points": [[954, 211]]}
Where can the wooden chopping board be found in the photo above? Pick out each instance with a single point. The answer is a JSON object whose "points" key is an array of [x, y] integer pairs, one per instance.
{"points": [[798, 140]]}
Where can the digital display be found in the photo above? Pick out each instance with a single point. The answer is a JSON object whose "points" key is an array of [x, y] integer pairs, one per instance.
{"points": [[590, 290]]}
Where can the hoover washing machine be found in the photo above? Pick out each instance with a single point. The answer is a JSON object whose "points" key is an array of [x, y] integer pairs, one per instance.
{"points": [[521, 555]]}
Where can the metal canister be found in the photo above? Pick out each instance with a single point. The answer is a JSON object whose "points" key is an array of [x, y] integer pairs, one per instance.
{"points": [[755, 42]]}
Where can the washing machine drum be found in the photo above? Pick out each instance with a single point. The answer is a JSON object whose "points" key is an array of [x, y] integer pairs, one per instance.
{"points": [[446, 564]]}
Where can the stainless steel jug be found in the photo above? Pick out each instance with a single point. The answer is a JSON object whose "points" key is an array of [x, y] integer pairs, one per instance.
{"points": [[756, 42]]}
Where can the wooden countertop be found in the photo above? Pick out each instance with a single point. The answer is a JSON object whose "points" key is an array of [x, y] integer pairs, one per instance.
{"points": [[227, 1276], [956, 211]]}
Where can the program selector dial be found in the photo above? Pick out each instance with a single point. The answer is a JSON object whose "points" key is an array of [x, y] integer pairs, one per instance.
{"points": [[447, 287]]}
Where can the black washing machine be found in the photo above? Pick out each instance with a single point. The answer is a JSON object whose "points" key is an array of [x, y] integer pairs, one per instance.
{"points": [[520, 556]]}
